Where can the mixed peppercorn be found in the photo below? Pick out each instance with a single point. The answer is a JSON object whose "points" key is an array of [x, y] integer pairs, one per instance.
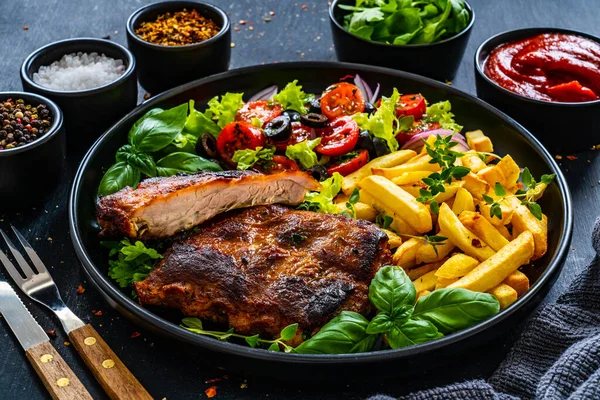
{"points": [[179, 29], [22, 123]]}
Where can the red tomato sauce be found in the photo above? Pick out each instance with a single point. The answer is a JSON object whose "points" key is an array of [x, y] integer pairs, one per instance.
{"points": [[550, 67]]}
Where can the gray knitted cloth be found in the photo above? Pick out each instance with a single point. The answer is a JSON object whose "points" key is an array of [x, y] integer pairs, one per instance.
{"points": [[557, 355]]}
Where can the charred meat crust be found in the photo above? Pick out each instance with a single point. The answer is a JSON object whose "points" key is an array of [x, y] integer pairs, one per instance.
{"points": [[260, 269]]}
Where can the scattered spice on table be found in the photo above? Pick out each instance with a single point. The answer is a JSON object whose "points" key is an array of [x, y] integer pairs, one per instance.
{"points": [[97, 313], [22, 123], [572, 158], [135, 334], [80, 289], [25, 28], [51, 333], [558, 157], [178, 29], [211, 392], [67, 344]]}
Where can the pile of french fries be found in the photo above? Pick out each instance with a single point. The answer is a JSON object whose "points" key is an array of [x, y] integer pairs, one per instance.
{"points": [[481, 253]]}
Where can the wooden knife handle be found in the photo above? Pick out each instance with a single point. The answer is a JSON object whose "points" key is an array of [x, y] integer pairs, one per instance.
{"points": [[114, 377], [59, 379]]}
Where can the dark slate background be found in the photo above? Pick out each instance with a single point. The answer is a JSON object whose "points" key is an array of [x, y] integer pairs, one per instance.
{"points": [[166, 368]]}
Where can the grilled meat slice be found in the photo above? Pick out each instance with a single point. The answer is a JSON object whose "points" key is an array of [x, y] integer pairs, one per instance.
{"points": [[260, 269], [160, 207]]}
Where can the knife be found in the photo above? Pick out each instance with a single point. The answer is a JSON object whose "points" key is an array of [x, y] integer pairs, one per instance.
{"points": [[60, 381]]}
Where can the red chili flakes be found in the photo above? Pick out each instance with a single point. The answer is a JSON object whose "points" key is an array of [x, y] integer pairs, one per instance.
{"points": [[304, 6], [237, 29], [80, 289], [211, 392], [572, 158], [147, 96], [214, 380], [242, 22], [52, 333], [97, 313], [25, 28], [271, 13], [135, 334], [476, 243]]}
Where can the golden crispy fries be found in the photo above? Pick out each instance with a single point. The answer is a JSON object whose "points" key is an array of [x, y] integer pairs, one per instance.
{"points": [[407, 178], [427, 253], [426, 282], [472, 161], [506, 208], [398, 224], [479, 142], [443, 282], [414, 188], [418, 272], [468, 242], [523, 220], [418, 163], [491, 272], [463, 201], [475, 185], [405, 254], [505, 295], [393, 239], [423, 294], [362, 210], [510, 170], [387, 161], [398, 201], [451, 190], [492, 175], [483, 228], [457, 266], [518, 281], [504, 232]]}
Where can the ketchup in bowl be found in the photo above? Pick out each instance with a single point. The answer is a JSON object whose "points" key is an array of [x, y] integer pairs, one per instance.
{"points": [[551, 67]]}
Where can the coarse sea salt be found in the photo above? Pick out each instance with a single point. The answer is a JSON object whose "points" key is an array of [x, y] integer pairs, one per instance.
{"points": [[81, 71]]}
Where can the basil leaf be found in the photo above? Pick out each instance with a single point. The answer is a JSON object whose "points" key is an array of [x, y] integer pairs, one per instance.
{"points": [[391, 288], [158, 130], [137, 123], [124, 152], [288, 332], [346, 333], [411, 333], [453, 309], [143, 163], [402, 313], [184, 162], [381, 323], [117, 177]]}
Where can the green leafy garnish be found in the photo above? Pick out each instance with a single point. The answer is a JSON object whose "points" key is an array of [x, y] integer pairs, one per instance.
{"points": [[322, 201], [223, 111], [303, 152], [383, 122], [352, 200], [157, 130], [134, 261], [247, 158], [117, 177], [440, 112], [291, 97], [384, 221], [184, 162]]}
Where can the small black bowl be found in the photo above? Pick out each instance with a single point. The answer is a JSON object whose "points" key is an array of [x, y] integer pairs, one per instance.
{"points": [[163, 67], [30, 172], [88, 113], [561, 127], [437, 60]]}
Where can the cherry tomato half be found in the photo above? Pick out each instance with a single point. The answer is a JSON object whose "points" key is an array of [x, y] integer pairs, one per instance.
{"points": [[238, 135], [411, 104], [342, 99], [300, 133], [340, 138], [347, 167], [282, 163], [418, 126], [258, 109]]}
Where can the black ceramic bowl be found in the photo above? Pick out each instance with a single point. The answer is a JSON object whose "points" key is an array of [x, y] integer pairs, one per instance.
{"points": [[163, 67], [438, 60], [508, 137], [561, 127], [30, 172], [88, 113]]}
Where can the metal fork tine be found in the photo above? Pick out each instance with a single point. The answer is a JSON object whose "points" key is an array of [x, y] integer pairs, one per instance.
{"points": [[39, 265], [17, 255], [12, 270]]}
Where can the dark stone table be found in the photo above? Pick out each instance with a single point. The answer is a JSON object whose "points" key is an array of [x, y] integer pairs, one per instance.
{"points": [[299, 30]]}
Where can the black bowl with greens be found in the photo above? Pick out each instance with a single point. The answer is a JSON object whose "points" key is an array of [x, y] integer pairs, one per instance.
{"points": [[427, 37]]}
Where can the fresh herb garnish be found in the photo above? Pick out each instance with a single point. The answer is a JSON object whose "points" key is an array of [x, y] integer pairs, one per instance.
{"points": [[433, 240], [527, 195], [134, 261], [352, 200], [383, 220]]}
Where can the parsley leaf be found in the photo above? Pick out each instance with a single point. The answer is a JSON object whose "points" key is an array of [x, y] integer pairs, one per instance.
{"points": [[134, 261]]}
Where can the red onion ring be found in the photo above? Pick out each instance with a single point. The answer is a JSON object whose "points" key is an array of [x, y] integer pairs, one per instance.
{"points": [[265, 94], [416, 142]]}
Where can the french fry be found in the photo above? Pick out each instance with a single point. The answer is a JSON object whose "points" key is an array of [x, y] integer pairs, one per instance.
{"points": [[413, 189], [426, 282], [472, 161], [479, 142], [456, 266], [492, 175], [491, 272], [518, 281], [406, 178], [444, 282], [475, 185], [523, 220], [463, 201], [510, 170], [427, 253], [405, 254], [504, 232], [398, 224], [423, 294], [387, 161], [393, 239], [398, 202], [505, 295], [468, 242], [418, 163], [505, 206], [430, 141], [483, 228], [418, 272], [362, 210]]}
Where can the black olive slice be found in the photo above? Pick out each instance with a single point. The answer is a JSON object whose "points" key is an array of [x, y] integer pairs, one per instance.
{"points": [[279, 128], [313, 120]]}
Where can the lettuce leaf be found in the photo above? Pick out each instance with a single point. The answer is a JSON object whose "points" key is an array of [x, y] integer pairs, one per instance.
{"points": [[291, 97], [223, 111], [247, 158], [303, 152], [440, 112], [322, 201], [381, 123]]}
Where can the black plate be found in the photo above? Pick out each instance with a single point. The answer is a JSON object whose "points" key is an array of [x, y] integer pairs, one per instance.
{"points": [[508, 136]]}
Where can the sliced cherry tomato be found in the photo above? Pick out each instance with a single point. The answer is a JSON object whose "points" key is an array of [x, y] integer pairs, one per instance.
{"points": [[238, 135], [340, 138], [411, 104], [342, 99], [418, 126], [349, 166], [258, 109], [282, 163], [300, 133]]}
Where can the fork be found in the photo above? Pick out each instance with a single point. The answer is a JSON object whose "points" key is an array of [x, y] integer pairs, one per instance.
{"points": [[114, 377]]}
